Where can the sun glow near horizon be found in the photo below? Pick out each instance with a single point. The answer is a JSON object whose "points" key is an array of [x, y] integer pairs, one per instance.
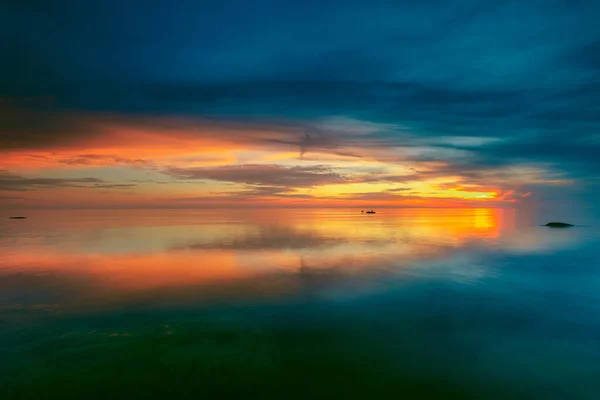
{"points": [[175, 163]]}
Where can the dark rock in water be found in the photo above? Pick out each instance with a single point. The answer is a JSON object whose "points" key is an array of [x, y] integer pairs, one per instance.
{"points": [[558, 225], [17, 217]]}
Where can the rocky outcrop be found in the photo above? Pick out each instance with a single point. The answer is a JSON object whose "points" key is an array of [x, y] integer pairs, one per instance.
{"points": [[558, 225]]}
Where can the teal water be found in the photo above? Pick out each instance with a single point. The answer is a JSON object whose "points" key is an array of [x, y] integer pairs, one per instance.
{"points": [[414, 303]]}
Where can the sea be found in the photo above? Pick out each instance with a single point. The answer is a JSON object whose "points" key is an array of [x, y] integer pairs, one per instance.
{"points": [[469, 303]]}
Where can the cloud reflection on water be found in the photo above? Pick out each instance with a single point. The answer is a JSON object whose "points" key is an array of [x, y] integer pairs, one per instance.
{"points": [[111, 259]]}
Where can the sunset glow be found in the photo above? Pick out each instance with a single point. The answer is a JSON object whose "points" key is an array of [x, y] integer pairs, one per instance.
{"points": [[299, 199], [175, 163]]}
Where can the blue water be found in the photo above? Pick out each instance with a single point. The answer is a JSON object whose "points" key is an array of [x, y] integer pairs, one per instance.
{"points": [[417, 303]]}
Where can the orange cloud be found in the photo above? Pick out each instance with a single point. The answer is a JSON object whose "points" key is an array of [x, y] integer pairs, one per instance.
{"points": [[170, 162]]}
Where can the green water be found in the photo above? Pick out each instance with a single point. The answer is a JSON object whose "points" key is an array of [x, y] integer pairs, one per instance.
{"points": [[471, 304]]}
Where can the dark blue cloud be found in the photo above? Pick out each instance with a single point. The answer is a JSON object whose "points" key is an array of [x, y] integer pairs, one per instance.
{"points": [[462, 44], [527, 72]]}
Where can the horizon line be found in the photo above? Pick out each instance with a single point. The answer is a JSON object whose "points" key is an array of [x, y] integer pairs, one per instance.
{"points": [[251, 207]]}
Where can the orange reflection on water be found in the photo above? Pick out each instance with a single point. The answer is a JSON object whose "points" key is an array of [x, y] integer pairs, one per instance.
{"points": [[143, 271], [115, 255]]}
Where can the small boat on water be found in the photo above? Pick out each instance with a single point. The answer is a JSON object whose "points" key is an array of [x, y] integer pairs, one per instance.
{"points": [[370, 212], [17, 217]]}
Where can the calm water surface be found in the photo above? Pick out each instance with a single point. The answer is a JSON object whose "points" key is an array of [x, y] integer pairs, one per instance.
{"points": [[417, 303]]}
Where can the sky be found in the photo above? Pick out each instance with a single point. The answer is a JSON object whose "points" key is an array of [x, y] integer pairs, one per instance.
{"points": [[308, 103]]}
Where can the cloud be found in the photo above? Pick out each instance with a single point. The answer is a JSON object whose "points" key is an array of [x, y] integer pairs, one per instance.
{"points": [[99, 159], [520, 111], [114, 185], [263, 191], [12, 182], [24, 128], [86, 138], [264, 174], [89, 160], [379, 196], [81, 134]]}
